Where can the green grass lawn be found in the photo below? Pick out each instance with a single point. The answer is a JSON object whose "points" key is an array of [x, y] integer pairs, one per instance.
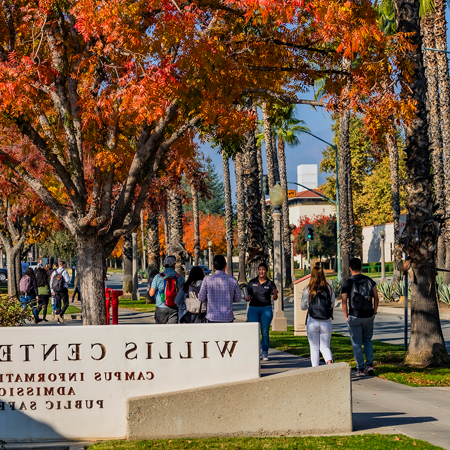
{"points": [[372, 441], [70, 310], [388, 358], [115, 270], [135, 305]]}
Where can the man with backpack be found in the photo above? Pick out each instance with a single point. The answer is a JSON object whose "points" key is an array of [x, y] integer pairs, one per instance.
{"points": [[360, 305], [166, 286], [58, 284]]}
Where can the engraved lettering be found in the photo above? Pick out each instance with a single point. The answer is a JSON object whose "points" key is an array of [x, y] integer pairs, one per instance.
{"points": [[189, 351], [103, 352], [131, 350], [149, 350], [27, 351], [169, 351], [49, 351], [5, 353], [75, 352], [224, 350]]}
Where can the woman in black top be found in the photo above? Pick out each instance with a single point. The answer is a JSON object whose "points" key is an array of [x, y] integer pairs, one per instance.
{"points": [[261, 290], [31, 296]]}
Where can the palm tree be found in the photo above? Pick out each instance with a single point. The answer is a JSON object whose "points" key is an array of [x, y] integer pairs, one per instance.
{"points": [[241, 207], [287, 128], [166, 220], [196, 219], [153, 249], [176, 246], [263, 196], [256, 253], [419, 240], [228, 210], [395, 200]]}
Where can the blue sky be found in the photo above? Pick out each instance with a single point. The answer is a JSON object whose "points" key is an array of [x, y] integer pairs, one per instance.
{"points": [[308, 152]]}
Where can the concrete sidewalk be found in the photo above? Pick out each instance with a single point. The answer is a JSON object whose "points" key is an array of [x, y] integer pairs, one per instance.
{"points": [[381, 406]]}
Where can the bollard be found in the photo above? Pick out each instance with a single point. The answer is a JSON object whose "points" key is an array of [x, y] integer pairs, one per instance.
{"points": [[115, 306], [108, 304]]}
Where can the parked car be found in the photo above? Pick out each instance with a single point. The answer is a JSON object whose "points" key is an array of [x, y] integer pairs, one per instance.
{"points": [[205, 269], [3, 275]]}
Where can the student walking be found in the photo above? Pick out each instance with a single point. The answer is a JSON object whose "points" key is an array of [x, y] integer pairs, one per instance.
{"points": [[50, 273], [261, 291], [360, 305], [59, 287], [29, 292], [318, 298], [43, 285], [165, 286], [190, 309], [220, 291]]}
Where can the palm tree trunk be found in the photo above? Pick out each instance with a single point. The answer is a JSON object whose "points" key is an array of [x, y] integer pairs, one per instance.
{"points": [[228, 212], [419, 240], [153, 250], [440, 33], [144, 258], [344, 185], [240, 198], [196, 218], [127, 264], [176, 247], [286, 225], [255, 230], [166, 220], [263, 198], [395, 201]]}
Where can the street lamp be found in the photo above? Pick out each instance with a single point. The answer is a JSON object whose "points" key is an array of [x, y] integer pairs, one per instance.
{"points": [[277, 195], [383, 269], [209, 255]]}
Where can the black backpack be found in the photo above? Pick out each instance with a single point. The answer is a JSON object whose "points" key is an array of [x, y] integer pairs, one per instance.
{"points": [[320, 306], [361, 296]]}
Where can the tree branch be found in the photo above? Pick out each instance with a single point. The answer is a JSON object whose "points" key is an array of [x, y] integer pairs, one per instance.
{"points": [[285, 97], [10, 23]]}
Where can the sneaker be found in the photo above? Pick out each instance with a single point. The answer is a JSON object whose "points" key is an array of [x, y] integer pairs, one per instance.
{"points": [[265, 357], [36, 321], [361, 373], [44, 320], [60, 319], [370, 370]]}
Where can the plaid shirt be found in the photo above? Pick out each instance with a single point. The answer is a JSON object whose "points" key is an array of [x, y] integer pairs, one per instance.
{"points": [[158, 284], [221, 291]]}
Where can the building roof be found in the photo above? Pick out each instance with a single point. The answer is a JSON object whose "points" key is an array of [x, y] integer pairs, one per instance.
{"points": [[309, 194]]}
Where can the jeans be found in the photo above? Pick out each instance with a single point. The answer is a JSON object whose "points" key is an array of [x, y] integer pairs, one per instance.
{"points": [[263, 315], [64, 297], [361, 332], [25, 301], [166, 315], [319, 336]]}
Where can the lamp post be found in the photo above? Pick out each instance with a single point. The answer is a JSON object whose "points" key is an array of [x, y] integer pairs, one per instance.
{"points": [[209, 255], [383, 269], [277, 195], [292, 258]]}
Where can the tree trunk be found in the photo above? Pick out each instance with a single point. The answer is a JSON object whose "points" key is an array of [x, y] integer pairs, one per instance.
{"points": [[166, 220], [196, 218], [228, 212], [176, 233], [263, 199], [240, 198], [395, 201], [255, 230], [344, 184], [286, 225], [440, 33], [154, 252], [144, 257], [91, 266], [13, 282], [127, 264], [434, 125], [427, 345]]}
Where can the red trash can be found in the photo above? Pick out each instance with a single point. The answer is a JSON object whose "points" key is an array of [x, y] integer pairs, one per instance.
{"points": [[115, 305]]}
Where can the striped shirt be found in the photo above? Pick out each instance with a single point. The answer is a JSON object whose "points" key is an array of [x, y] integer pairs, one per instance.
{"points": [[220, 291]]}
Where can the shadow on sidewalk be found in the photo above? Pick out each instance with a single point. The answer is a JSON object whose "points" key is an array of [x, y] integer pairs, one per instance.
{"points": [[372, 420]]}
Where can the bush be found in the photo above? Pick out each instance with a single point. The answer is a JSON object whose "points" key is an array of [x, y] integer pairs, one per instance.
{"points": [[387, 291], [12, 313], [336, 286]]}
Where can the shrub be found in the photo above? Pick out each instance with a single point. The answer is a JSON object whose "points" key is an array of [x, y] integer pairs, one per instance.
{"points": [[12, 313], [336, 286], [387, 291]]}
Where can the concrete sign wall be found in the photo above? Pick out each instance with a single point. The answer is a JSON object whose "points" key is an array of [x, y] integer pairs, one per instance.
{"points": [[73, 382]]}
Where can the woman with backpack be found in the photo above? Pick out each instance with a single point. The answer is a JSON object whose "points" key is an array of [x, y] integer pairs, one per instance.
{"points": [[43, 284], [190, 309], [318, 298], [29, 292]]}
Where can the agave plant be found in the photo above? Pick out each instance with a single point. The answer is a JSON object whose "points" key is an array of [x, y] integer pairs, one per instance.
{"points": [[399, 290], [443, 291], [143, 273], [336, 286], [387, 291]]}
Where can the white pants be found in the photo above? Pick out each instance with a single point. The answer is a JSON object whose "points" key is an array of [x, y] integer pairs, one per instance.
{"points": [[319, 336]]}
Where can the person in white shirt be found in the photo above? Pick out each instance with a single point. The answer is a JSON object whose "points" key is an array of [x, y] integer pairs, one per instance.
{"points": [[61, 292], [318, 298]]}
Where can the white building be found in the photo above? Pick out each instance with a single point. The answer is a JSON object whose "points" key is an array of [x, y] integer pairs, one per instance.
{"points": [[309, 204], [308, 175]]}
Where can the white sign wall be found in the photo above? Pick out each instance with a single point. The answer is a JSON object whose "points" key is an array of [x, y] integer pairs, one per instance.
{"points": [[73, 382]]}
